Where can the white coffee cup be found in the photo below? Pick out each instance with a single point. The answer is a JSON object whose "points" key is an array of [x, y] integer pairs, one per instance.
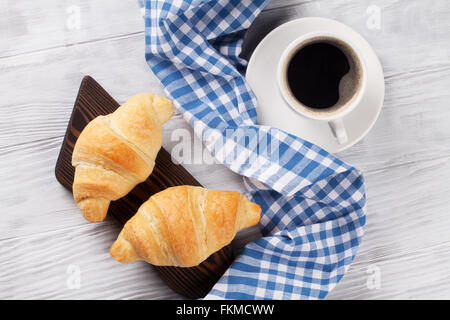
{"points": [[351, 88]]}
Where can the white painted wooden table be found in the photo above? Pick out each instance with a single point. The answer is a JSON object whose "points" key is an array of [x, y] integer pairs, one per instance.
{"points": [[44, 54]]}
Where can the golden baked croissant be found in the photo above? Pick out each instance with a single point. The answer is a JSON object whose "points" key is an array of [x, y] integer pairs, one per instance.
{"points": [[116, 152], [182, 226]]}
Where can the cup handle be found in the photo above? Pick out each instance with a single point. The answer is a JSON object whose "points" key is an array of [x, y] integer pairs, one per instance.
{"points": [[338, 129]]}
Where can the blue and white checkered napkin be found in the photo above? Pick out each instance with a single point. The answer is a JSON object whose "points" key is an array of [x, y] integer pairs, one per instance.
{"points": [[312, 203]]}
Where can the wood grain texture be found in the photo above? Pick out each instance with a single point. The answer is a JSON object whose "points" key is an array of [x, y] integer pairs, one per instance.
{"points": [[92, 101], [44, 271], [407, 234], [405, 158], [44, 25], [411, 34]]}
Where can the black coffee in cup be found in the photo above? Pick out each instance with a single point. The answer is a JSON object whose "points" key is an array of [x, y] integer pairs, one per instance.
{"points": [[323, 74]]}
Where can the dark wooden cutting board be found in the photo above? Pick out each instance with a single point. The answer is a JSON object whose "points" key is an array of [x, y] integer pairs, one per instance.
{"points": [[92, 101]]}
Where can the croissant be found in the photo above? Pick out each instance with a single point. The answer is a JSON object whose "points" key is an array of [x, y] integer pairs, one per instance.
{"points": [[116, 152], [182, 226]]}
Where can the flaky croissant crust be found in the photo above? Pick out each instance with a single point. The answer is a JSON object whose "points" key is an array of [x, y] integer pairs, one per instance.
{"points": [[116, 152], [183, 225]]}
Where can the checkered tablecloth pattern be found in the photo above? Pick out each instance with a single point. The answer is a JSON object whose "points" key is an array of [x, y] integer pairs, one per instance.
{"points": [[313, 204]]}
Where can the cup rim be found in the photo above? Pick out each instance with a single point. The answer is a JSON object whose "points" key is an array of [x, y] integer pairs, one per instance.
{"points": [[281, 79]]}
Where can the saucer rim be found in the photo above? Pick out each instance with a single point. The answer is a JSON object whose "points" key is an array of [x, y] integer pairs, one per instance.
{"points": [[368, 51]]}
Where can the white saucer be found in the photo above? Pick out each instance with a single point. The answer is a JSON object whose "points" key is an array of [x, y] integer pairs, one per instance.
{"points": [[272, 109]]}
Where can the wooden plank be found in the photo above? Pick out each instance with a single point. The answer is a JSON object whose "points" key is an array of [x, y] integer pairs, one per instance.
{"points": [[276, 4], [404, 158], [41, 204], [409, 36], [124, 73], [411, 126], [41, 266], [47, 24], [415, 25], [50, 24], [386, 146], [415, 103], [406, 234], [406, 219], [50, 79], [416, 274]]}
